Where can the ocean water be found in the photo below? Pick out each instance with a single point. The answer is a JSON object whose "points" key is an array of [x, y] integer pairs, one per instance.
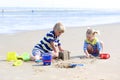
{"points": [[17, 19]]}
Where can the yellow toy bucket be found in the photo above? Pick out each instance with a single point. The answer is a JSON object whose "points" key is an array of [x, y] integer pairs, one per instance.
{"points": [[11, 56]]}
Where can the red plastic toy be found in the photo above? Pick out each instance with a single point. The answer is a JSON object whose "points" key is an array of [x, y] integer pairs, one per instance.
{"points": [[104, 56]]}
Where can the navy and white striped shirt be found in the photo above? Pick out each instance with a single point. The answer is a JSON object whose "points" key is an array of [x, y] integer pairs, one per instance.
{"points": [[44, 44]]}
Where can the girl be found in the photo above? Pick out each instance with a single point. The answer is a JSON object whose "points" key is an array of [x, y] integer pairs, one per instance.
{"points": [[92, 46]]}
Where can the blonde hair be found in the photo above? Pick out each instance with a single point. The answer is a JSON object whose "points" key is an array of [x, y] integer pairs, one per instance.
{"points": [[92, 31], [59, 27]]}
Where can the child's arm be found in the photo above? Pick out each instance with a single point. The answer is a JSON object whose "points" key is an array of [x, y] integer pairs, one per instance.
{"points": [[87, 54], [54, 49], [85, 49], [100, 46], [60, 48]]}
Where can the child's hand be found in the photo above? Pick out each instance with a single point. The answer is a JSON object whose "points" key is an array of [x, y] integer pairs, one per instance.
{"points": [[54, 54], [88, 56]]}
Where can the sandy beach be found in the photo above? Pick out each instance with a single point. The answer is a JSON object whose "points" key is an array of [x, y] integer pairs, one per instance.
{"points": [[72, 40]]}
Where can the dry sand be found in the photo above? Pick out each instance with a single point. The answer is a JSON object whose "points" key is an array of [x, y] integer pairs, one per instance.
{"points": [[72, 40]]}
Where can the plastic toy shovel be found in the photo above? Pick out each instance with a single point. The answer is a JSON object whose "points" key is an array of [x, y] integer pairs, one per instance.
{"points": [[18, 63], [74, 65]]}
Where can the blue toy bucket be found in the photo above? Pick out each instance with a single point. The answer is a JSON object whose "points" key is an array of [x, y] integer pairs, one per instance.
{"points": [[47, 58]]}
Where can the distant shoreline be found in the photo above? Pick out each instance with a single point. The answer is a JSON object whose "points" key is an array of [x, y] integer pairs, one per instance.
{"points": [[59, 9]]}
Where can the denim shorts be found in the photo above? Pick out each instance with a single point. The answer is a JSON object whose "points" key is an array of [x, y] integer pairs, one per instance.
{"points": [[95, 53], [36, 51]]}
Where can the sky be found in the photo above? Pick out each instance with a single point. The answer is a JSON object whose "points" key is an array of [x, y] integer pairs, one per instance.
{"points": [[106, 4]]}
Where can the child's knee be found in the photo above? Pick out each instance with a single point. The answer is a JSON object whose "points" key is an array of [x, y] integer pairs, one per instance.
{"points": [[90, 49], [36, 52]]}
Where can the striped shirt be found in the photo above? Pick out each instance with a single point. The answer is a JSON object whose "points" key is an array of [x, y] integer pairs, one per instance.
{"points": [[44, 44]]}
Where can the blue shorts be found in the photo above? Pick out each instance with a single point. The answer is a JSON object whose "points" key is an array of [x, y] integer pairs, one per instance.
{"points": [[36, 51], [95, 54]]}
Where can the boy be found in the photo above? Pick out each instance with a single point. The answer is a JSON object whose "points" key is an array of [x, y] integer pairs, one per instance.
{"points": [[50, 43], [92, 46]]}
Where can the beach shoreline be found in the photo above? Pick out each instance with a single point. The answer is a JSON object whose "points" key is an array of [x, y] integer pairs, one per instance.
{"points": [[72, 40]]}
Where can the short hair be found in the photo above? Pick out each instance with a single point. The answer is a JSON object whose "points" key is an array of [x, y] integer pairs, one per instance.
{"points": [[59, 27]]}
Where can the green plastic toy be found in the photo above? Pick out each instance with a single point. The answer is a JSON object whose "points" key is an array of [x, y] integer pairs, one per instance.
{"points": [[26, 56]]}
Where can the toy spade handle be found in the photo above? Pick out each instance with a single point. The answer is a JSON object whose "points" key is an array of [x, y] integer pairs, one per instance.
{"points": [[74, 65], [80, 64]]}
